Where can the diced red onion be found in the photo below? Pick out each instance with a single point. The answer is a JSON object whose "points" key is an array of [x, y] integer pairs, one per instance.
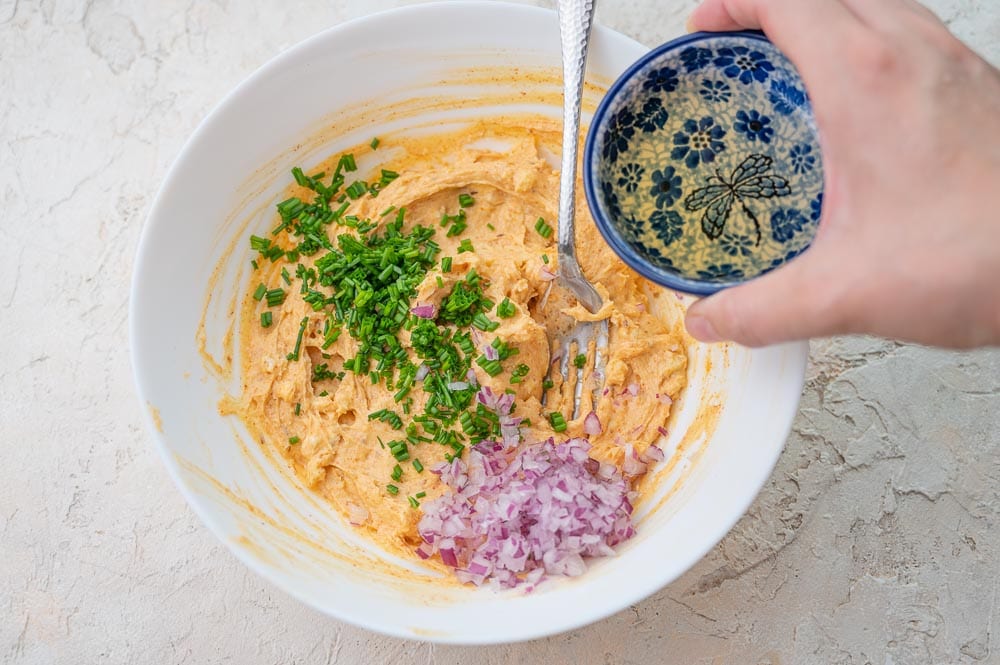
{"points": [[428, 311], [607, 471], [652, 454], [631, 389], [633, 467], [664, 398], [663, 431], [515, 515], [422, 372], [490, 352], [448, 557], [458, 385], [546, 274], [592, 424], [471, 377]]}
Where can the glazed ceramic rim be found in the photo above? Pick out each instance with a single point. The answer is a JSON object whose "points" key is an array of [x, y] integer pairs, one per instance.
{"points": [[591, 186]]}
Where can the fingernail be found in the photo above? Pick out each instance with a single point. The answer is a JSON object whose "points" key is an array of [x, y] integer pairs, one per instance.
{"points": [[689, 25], [702, 329]]}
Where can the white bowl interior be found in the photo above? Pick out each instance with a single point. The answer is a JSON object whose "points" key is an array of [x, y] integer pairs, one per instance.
{"points": [[229, 175]]}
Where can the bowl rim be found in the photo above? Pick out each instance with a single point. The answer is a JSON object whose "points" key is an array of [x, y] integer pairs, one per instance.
{"points": [[793, 356], [590, 184]]}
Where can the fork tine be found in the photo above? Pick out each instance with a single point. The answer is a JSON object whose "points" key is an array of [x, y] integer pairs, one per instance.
{"points": [[591, 339]]}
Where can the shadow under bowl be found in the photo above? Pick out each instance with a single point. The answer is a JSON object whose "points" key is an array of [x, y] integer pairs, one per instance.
{"points": [[702, 165]]}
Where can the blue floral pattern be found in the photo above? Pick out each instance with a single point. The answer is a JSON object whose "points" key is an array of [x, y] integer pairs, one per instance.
{"points": [[661, 80], [715, 91], [633, 227], [700, 141], [816, 208], [801, 158], [652, 116], [735, 245], [696, 58], [754, 126], [708, 162], [668, 225], [743, 64], [785, 97], [726, 271], [620, 130], [631, 175], [785, 223], [666, 187]]}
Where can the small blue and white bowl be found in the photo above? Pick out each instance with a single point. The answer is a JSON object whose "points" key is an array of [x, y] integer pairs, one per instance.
{"points": [[702, 166]]}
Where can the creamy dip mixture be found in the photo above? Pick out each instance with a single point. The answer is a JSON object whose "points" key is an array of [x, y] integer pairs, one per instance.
{"points": [[495, 179]]}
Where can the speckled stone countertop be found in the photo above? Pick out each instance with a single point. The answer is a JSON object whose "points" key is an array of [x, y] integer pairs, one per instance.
{"points": [[877, 540]]}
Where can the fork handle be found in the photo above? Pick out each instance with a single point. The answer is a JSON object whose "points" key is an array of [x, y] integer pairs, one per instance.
{"points": [[576, 17]]}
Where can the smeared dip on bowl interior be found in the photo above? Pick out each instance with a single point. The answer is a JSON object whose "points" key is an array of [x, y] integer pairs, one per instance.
{"points": [[395, 351]]}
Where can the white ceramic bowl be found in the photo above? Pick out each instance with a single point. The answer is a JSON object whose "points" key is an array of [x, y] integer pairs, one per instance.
{"points": [[237, 163]]}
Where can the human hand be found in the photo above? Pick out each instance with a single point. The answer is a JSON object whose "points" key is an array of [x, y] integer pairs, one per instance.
{"points": [[909, 243]]}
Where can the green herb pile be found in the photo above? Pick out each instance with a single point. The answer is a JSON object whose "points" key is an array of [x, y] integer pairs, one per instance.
{"points": [[364, 280]]}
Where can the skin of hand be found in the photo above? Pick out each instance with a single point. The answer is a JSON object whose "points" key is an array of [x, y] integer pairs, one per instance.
{"points": [[908, 246]]}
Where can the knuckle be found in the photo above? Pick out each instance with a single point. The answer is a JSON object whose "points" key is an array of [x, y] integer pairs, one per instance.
{"points": [[878, 60]]}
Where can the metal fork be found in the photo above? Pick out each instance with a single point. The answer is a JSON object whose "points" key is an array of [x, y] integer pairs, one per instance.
{"points": [[575, 20]]}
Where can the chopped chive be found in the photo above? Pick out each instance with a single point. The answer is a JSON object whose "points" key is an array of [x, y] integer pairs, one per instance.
{"points": [[392, 489], [293, 440], [258, 294], [519, 373], [418, 466], [253, 264], [490, 227], [543, 229], [298, 408], [491, 367], [374, 143], [275, 297], [483, 323], [357, 189], [558, 421], [580, 360], [440, 282], [547, 384], [294, 355], [285, 276], [347, 164], [446, 264], [465, 246], [300, 178], [506, 309], [397, 472], [421, 494], [545, 258], [466, 200], [413, 502], [265, 319]]}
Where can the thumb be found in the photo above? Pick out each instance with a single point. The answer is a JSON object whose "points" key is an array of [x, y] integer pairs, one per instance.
{"points": [[800, 300]]}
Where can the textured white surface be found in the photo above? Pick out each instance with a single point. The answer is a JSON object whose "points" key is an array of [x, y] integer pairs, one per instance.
{"points": [[876, 541]]}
